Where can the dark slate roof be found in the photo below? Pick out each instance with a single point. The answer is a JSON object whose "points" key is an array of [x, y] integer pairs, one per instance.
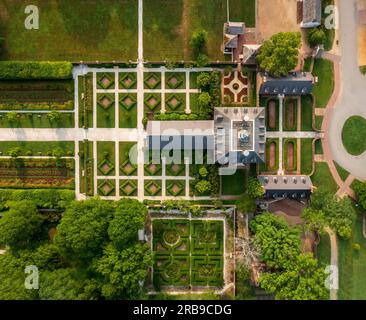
{"points": [[291, 186], [289, 182], [295, 84]]}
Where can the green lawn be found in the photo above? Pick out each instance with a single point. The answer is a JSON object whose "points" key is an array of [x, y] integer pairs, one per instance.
{"points": [[167, 32], [38, 148], [318, 146], [343, 173], [319, 122], [234, 185], [72, 30], [306, 113], [306, 156], [352, 271], [353, 135], [322, 177], [323, 250], [323, 90]]}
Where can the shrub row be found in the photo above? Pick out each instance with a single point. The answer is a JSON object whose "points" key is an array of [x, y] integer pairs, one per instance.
{"points": [[44, 198], [21, 70]]}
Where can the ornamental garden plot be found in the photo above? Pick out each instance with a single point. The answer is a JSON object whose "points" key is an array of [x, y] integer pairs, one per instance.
{"points": [[188, 253]]}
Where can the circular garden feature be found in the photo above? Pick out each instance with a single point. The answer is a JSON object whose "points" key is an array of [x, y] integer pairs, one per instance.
{"points": [[353, 135]]}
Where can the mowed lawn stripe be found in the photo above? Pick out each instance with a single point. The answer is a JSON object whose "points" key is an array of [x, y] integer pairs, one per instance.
{"points": [[74, 30]]}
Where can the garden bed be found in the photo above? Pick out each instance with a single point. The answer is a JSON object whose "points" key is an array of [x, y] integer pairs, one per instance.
{"points": [[153, 188], [37, 173], [39, 148], [128, 167], [290, 115], [128, 110], [290, 154], [106, 158], [188, 253], [85, 100], [35, 120], [273, 108], [105, 110], [86, 167]]}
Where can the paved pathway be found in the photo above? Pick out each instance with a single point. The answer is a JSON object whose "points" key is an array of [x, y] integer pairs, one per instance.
{"points": [[348, 98]]}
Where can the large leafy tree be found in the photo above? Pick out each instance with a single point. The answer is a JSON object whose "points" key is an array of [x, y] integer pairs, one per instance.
{"points": [[255, 189], [360, 189], [121, 272], [279, 54], [66, 284], [303, 281], [278, 243], [12, 278], [129, 217], [327, 210], [83, 228], [21, 225]]}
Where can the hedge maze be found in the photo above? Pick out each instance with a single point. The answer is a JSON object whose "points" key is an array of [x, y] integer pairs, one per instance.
{"points": [[188, 253]]}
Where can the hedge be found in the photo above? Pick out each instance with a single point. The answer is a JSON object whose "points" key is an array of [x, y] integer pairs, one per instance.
{"points": [[21, 70], [43, 198]]}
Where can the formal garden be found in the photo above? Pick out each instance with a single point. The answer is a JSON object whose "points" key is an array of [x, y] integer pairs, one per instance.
{"points": [[188, 253]]}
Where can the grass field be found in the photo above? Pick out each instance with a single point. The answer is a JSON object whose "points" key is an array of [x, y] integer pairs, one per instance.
{"points": [[234, 185], [352, 271], [74, 30], [323, 250], [306, 156], [306, 113], [167, 32], [322, 177], [353, 135], [323, 90], [343, 173]]}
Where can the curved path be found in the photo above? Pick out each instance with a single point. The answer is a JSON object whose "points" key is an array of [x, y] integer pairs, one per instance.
{"points": [[349, 97]]}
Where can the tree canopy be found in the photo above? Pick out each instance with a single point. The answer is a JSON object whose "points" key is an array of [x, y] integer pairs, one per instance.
{"points": [[83, 228], [278, 243], [303, 281], [122, 271], [327, 210], [21, 225], [128, 218], [360, 189], [316, 36], [279, 55]]}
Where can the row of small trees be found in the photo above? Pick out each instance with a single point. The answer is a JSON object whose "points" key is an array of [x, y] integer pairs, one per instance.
{"points": [[53, 116]]}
